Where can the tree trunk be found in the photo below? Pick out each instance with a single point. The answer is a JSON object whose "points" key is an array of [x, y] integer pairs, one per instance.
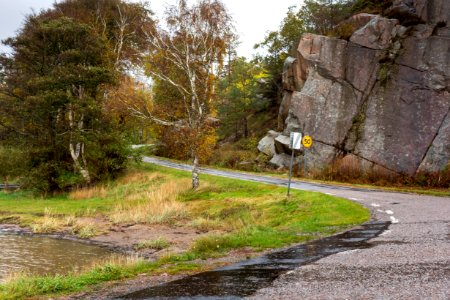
{"points": [[245, 127], [77, 149], [195, 174]]}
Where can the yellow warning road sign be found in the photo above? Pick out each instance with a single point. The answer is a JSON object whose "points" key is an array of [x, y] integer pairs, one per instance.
{"points": [[307, 141]]}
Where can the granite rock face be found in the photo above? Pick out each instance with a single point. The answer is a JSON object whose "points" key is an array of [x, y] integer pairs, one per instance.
{"points": [[383, 96]]}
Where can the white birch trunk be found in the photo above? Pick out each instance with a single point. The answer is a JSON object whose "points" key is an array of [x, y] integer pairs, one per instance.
{"points": [[77, 149], [195, 173]]}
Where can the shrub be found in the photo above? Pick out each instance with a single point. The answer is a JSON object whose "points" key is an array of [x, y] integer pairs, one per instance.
{"points": [[11, 163], [350, 169]]}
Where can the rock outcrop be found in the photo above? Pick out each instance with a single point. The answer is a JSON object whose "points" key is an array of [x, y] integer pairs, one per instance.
{"points": [[383, 96]]}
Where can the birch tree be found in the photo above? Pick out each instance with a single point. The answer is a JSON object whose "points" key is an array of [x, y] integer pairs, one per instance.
{"points": [[186, 54]]}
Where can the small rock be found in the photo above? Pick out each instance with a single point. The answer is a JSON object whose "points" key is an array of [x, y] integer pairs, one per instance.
{"points": [[280, 160]]}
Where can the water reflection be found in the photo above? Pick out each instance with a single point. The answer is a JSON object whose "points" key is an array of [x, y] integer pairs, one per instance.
{"points": [[42, 255]]}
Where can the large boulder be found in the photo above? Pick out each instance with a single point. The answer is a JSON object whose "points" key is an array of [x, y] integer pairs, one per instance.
{"points": [[267, 144], [359, 20], [280, 161], [383, 96], [405, 11], [323, 53], [282, 144], [411, 12], [376, 34], [432, 11]]}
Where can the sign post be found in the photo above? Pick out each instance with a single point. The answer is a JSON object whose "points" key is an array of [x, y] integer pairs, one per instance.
{"points": [[307, 143], [294, 144]]}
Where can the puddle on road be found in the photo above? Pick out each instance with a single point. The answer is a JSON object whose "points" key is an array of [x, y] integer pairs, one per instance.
{"points": [[245, 278]]}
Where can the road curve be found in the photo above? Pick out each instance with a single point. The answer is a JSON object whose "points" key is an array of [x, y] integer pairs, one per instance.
{"points": [[411, 260]]}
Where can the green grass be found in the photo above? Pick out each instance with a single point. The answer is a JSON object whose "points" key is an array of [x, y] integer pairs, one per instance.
{"points": [[156, 244], [439, 192], [26, 203], [247, 214], [29, 286]]}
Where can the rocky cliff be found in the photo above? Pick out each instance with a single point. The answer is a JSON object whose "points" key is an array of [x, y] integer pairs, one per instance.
{"points": [[381, 98]]}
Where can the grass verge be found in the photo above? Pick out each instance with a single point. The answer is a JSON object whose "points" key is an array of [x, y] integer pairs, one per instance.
{"points": [[232, 214], [386, 186]]}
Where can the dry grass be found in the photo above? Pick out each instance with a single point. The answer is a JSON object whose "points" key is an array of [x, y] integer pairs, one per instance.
{"points": [[48, 223], [139, 177], [156, 244], [85, 229], [117, 260], [157, 206], [128, 182], [87, 193], [70, 220], [206, 224], [353, 170]]}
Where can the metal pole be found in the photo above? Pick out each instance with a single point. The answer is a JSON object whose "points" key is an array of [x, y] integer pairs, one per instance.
{"points": [[304, 164], [290, 173]]}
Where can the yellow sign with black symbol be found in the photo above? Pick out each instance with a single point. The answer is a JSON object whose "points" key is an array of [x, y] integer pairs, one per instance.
{"points": [[307, 141]]}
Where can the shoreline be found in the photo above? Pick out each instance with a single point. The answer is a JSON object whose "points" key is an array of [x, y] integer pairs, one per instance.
{"points": [[111, 289]]}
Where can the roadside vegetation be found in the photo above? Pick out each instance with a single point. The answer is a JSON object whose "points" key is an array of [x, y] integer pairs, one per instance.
{"points": [[70, 110], [230, 215], [21, 286]]}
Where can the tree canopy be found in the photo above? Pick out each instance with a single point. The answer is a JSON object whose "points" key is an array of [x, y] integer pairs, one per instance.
{"points": [[51, 98], [239, 97]]}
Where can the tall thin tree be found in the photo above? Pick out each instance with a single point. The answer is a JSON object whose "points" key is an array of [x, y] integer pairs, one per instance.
{"points": [[187, 54]]}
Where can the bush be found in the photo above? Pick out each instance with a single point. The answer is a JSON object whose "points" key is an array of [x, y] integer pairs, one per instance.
{"points": [[235, 159], [349, 169], [370, 6], [11, 163]]}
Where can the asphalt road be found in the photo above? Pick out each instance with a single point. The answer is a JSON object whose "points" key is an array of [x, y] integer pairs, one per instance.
{"points": [[411, 260]]}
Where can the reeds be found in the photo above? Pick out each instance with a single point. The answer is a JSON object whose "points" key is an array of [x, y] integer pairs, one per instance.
{"points": [[156, 206]]}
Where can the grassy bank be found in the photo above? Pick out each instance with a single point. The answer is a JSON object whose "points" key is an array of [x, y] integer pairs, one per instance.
{"points": [[231, 214], [118, 268], [381, 185]]}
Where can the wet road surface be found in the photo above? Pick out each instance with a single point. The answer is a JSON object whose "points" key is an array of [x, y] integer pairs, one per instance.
{"points": [[246, 277], [408, 260]]}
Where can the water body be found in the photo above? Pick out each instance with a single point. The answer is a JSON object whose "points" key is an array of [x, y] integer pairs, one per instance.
{"points": [[43, 255], [245, 278]]}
